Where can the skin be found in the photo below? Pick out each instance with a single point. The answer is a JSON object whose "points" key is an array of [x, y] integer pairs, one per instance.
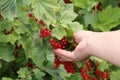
{"points": [[105, 45]]}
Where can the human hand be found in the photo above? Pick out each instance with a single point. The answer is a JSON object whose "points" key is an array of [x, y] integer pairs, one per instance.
{"points": [[81, 51]]}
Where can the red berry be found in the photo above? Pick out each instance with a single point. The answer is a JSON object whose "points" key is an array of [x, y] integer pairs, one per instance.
{"points": [[1, 16], [41, 22], [30, 15], [88, 64], [67, 1], [28, 64]]}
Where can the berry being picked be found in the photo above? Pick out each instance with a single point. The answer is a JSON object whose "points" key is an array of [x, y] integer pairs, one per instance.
{"points": [[54, 43], [45, 32], [57, 44]]}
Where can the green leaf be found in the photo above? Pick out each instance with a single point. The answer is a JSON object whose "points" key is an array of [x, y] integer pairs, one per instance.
{"points": [[19, 27], [96, 59], [54, 74], [12, 38], [23, 72], [36, 52], [59, 32], [50, 57], [75, 26], [115, 75], [63, 73], [5, 25], [8, 8], [5, 78], [85, 4], [67, 14], [0, 64], [38, 74], [103, 66], [89, 19], [106, 3], [76, 76], [3, 38], [45, 8], [108, 19], [6, 53]]}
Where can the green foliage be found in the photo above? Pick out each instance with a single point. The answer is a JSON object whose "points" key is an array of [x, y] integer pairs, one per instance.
{"points": [[6, 53], [115, 75], [24, 73], [24, 55], [9, 8], [85, 4], [108, 18], [59, 33], [38, 74], [45, 9]]}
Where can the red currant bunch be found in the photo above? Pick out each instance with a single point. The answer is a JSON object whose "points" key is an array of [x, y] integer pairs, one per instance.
{"points": [[70, 67], [45, 32], [102, 74]]}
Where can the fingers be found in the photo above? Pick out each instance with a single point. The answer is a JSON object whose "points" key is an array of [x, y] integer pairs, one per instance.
{"points": [[65, 55]]}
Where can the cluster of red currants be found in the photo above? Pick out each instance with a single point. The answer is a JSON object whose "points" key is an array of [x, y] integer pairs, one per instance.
{"points": [[45, 32], [58, 44], [103, 75], [62, 44], [68, 66], [85, 72]]}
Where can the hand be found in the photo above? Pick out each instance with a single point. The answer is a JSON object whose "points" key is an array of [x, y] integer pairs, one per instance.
{"points": [[81, 51]]}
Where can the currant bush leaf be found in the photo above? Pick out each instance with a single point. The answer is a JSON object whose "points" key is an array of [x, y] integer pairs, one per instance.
{"points": [[6, 53], [106, 3], [85, 4], [75, 26], [45, 8], [59, 33], [115, 75], [38, 74], [6, 78], [8, 8], [23, 72], [108, 19]]}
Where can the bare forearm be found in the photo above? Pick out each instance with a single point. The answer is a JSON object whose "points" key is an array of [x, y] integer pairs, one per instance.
{"points": [[106, 45]]}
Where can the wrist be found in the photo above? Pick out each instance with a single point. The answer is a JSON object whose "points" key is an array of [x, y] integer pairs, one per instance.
{"points": [[92, 42]]}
